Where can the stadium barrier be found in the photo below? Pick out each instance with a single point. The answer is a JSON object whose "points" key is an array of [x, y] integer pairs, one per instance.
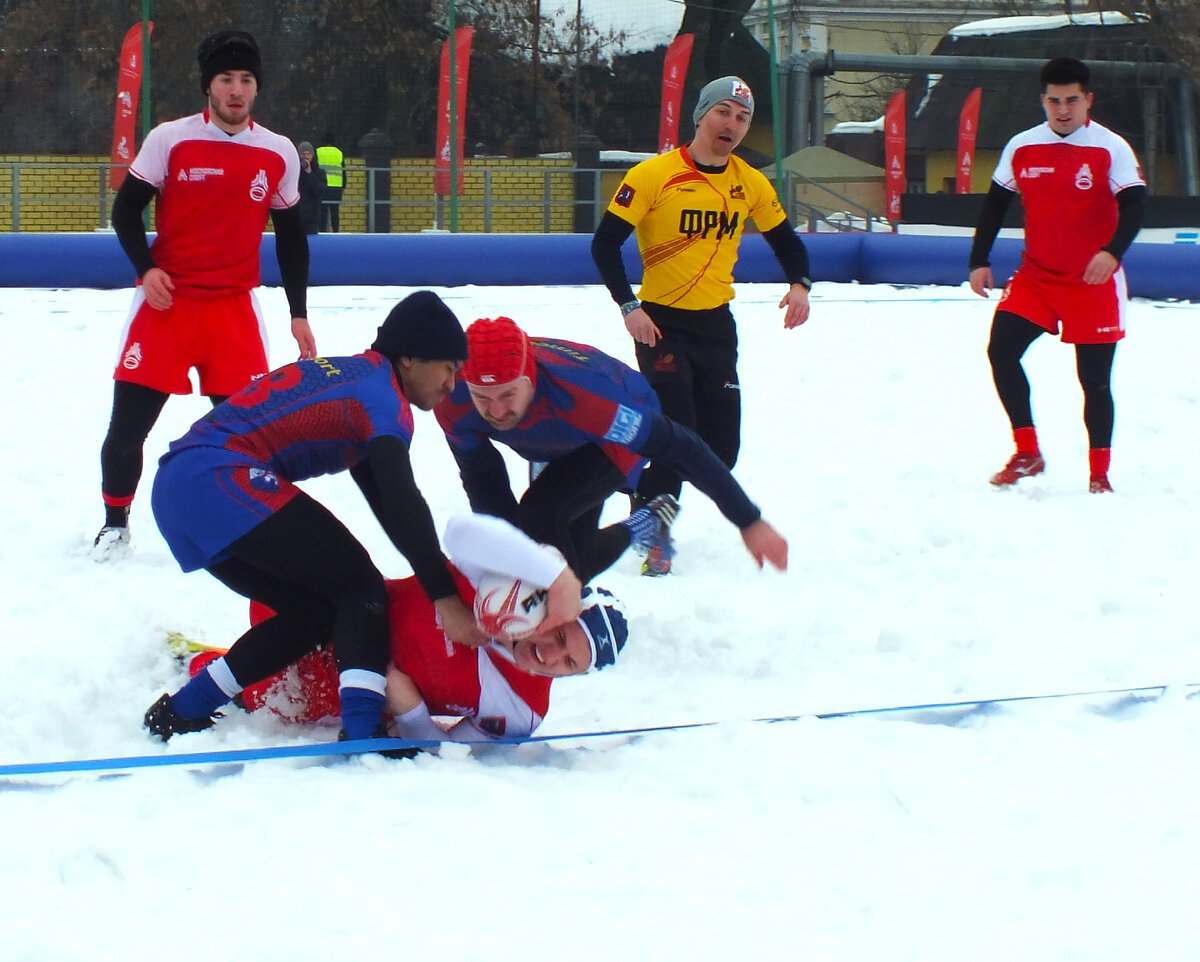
{"points": [[1156, 271]]}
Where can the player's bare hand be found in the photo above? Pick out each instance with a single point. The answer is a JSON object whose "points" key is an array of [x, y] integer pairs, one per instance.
{"points": [[563, 600], [766, 544], [157, 287], [796, 302], [1100, 268], [981, 281], [641, 328], [304, 338], [459, 623]]}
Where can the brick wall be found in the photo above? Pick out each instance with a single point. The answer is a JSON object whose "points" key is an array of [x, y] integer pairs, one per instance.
{"points": [[71, 194]]}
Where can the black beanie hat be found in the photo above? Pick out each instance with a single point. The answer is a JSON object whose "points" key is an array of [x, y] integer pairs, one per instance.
{"points": [[421, 326], [228, 50]]}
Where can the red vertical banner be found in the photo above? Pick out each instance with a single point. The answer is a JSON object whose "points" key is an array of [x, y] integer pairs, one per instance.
{"points": [[893, 154], [129, 85], [441, 163], [968, 128], [674, 73]]}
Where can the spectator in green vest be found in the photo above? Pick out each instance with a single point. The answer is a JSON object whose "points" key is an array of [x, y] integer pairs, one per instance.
{"points": [[331, 159]]}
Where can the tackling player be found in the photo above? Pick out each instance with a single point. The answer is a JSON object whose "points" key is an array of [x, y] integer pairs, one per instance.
{"points": [[226, 500], [593, 422]]}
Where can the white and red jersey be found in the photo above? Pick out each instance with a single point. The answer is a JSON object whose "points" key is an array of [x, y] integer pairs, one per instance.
{"points": [[215, 192], [481, 685], [1068, 187]]}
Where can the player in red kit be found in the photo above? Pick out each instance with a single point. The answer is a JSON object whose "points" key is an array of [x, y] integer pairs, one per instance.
{"points": [[215, 177], [1082, 191]]}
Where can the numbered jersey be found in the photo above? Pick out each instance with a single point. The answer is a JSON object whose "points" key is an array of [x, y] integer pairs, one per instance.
{"points": [[689, 224], [305, 419], [215, 192]]}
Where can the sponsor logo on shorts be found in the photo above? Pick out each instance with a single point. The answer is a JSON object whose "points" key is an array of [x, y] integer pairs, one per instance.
{"points": [[624, 427], [259, 187], [132, 357]]}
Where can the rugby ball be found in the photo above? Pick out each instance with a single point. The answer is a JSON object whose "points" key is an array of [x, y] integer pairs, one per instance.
{"points": [[508, 607]]}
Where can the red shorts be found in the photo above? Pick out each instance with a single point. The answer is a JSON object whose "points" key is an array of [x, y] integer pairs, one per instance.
{"points": [[222, 337], [1090, 313]]}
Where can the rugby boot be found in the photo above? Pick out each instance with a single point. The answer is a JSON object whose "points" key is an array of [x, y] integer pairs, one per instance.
{"points": [[1023, 464], [660, 549], [110, 544], [1099, 484]]}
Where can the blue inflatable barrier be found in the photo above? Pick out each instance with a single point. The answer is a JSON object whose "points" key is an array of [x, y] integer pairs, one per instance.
{"points": [[1158, 271]]}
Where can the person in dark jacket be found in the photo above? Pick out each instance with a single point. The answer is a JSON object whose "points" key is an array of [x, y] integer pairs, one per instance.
{"points": [[312, 188]]}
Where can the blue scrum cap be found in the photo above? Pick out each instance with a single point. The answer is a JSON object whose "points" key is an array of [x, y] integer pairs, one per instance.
{"points": [[603, 621]]}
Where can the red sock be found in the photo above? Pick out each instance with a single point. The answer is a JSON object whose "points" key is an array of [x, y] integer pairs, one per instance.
{"points": [[1098, 459], [1026, 439]]}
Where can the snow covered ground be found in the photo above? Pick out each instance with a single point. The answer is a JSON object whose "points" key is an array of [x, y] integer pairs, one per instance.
{"points": [[1051, 829]]}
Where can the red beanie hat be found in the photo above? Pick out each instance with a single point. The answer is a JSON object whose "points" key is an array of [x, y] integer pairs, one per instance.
{"points": [[497, 352]]}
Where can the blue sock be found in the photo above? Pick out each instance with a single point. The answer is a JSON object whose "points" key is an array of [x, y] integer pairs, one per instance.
{"points": [[642, 526], [362, 712], [199, 698]]}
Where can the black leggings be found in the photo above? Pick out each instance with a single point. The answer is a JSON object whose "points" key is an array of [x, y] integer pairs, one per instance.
{"points": [[306, 566], [1011, 336], [135, 411], [562, 507]]}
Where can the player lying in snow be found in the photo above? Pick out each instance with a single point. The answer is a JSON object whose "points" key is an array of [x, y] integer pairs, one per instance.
{"points": [[499, 690]]}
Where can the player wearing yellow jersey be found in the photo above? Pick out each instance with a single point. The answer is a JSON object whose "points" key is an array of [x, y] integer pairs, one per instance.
{"points": [[690, 207]]}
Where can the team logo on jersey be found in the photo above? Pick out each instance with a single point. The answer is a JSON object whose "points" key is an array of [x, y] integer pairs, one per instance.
{"points": [[624, 427], [263, 480], [132, 357], [624, 196], [494, 725], [702, 222], [259, 187], [737, 192], [1083, 177]]}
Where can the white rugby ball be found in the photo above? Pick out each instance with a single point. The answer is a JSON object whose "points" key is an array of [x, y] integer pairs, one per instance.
{"points": [[508, 607]]}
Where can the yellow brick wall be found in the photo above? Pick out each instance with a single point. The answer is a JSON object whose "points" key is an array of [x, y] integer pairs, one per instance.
{"points": [[71, 193]]}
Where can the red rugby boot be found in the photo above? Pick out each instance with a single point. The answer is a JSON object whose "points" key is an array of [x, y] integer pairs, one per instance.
{"points": [[1023, 464]]}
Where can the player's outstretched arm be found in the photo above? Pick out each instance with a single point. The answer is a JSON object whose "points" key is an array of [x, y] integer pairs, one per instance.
{"points": [[766, 544]]}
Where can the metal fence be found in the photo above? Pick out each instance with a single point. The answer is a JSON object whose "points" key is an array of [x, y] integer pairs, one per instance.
{"points": [[38, 196]]}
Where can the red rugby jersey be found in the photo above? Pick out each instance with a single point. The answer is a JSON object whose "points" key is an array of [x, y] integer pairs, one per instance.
{"points": [[215, 192], [1068, 187]]}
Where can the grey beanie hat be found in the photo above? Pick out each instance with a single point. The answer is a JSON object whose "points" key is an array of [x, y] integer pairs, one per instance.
{"points": [[303, 146], [421, 326], [723, 88]]}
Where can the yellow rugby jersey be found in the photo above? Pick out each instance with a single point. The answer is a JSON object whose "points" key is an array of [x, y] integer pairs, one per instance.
{"points": [[689, 225]]}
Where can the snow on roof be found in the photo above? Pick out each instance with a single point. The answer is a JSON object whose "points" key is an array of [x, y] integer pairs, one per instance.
{"points": [[858, 126], [983, 28]]}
